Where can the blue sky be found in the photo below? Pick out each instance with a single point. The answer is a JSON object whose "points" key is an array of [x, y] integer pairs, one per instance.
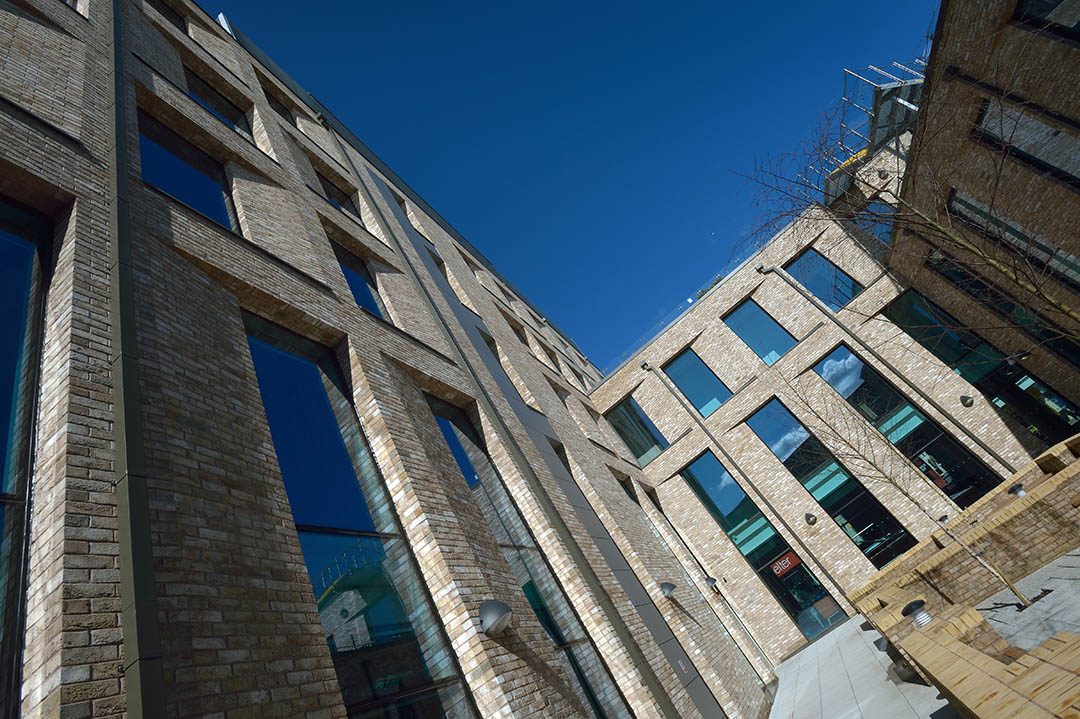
{"points": [[594, 152]]}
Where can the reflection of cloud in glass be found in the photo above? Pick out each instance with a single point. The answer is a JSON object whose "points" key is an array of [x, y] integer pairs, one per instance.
{"points": [[843, 371], [787, 443]]}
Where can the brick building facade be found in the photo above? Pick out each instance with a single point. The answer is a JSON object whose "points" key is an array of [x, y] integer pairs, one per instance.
{"points": [[277, 430]]}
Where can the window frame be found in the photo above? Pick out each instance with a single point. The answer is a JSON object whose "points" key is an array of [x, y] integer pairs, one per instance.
{"points": [[1043, 26], [988, 137], [216, 103], [36, 228], [194, 157], [678, 355], [810, 250], [742, 303]]}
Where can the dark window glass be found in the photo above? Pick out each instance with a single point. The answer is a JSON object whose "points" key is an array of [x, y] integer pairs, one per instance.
{"points": [[1058, 16], [637, 430], [823, 279], [593, 683], [338, 197], [697, 382], [876, 219], [759, 331], [776, 563], [20, 291], [1035, 326], [864, 520], [371, 605], [167, 12], [1063, 265], [217, 104], [946, 462], [183, 172], [280, 108], [1033, 404], [1020, 132], [361, 283]]}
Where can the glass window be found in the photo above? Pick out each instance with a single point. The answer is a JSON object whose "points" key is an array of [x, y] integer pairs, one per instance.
{"points": [[1059, 16], [697, 382], [1065, 266], [593, 685], [1019, 132], [823, 279], [217, 104], [20, 293], [375, 614], [167, 12], [1035, 326], [338, 197], [637, 430], [944, 461], [855, 510], [759, 331], [280, 107], [182, 171], [876, 219], [1035, 406], [776, 563], [362, 285]]}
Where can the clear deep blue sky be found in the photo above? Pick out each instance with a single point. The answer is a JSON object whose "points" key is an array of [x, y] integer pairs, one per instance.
{"points": [[592, 151]]}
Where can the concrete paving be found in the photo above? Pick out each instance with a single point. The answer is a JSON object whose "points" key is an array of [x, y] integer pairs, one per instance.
{"points": [[1057, 609], [843, 676]]}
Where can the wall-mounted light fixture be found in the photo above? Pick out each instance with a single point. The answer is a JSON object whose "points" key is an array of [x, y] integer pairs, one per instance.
{"points": [[494, 617], [667, 589], [917, 611], [810, 518], [711, 583], [883, 174], [967, 400], [1017, 490], [645, 365]]}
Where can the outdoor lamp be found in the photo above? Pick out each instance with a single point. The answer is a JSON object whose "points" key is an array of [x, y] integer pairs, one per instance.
{"points": [[711, 583], [667, 589], [917, 611], [1017, 490], [967, 400], [494, 617], [810, 518], [645, 365]]}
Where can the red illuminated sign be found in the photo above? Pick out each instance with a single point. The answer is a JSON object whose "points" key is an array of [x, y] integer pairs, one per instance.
{"points": [[785, 563]]}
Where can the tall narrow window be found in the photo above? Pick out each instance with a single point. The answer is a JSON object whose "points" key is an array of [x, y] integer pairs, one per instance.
{"points": [[1038, 328], [167, 12], [20, 297], [876, 219], [377, 618], [1064, 266], [697, 382], [830, 284], [592, 683], [1009, 387], [362, 285], [338, 197], [782, 570], [182, 171], [759, 331], [637, 430], [1020, 132], [217, 104], [876, 533], [944, 461]]}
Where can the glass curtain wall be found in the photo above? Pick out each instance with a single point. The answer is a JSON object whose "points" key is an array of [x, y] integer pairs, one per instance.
{"points": [[944, 461], [759, 331], [390, 655], [782, 570], [876, 533], [697, 382], [830, 284], [1033, 404], [21, 281], [636, 429], [593, 684]]}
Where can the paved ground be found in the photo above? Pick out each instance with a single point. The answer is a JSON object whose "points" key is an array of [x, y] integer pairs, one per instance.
{"points": [[1056, 611], [843, 676]]}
